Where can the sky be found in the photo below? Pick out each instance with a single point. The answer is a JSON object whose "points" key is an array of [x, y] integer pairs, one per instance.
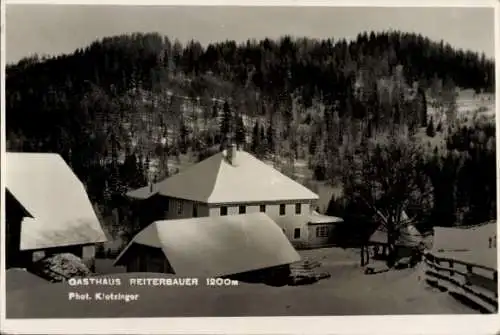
{"points": [[56, 29]]}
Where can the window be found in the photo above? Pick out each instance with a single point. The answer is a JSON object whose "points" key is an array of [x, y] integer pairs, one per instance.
{"points": [[296, 233], [262, 208], [242, 209], [282, 209], [195, 210], [167, 205], [298, 208], [223, 210], [179, 207], [322, 231]]}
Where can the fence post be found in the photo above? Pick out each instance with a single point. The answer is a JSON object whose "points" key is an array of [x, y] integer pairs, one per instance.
{"points": [[467, 277], [495, 279]]}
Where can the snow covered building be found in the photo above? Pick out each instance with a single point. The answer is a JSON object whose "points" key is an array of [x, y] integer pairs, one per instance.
{"points": [[246, 246], [47, 210], [233, 182]]}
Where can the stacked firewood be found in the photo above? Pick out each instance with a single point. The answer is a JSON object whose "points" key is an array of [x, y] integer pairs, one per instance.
{"points": [[306, 272], [60, 267]]}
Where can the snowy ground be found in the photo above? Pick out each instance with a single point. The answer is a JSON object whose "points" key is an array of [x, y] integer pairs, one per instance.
{"points": [[348, 292]]}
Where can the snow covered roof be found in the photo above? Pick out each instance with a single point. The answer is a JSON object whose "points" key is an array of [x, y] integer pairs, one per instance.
{"points": [[408, 234], [60, 210], [317, 218], [218, 246], [216, 180]]}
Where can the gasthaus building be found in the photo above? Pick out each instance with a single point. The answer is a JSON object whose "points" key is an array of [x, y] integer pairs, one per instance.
{"points": [[234, 182]]}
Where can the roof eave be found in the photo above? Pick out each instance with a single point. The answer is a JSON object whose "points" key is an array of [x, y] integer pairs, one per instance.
{"points": [[255, 201], [63, 245], [313, 223]]}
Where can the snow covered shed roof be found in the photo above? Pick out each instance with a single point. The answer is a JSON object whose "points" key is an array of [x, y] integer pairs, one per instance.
{"points": [[409, 236], [317, 218], [218, 246]]}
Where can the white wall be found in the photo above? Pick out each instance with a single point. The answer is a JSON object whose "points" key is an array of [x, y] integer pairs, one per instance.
{"points": [[288, 222], [272, 209]]}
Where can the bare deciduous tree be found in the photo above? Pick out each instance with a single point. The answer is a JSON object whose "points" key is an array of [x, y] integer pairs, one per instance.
{"points": [[387, 179]]}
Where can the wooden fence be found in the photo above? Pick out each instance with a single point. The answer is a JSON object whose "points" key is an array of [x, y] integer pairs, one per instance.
{"points": [[471, 283]]}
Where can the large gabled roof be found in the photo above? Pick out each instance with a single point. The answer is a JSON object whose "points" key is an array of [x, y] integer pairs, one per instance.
{"points": [[60, 211], [215, 180], [218, 246]]}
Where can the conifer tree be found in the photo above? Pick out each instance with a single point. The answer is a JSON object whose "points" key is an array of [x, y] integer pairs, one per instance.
{"points": [[430, 131], [439, 127], [183, 134], [240, 132], [226, 122], [256, 138], [262, 136], [271, 138], [215, 110]]}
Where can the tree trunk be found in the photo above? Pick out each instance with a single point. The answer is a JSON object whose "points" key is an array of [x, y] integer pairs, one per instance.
{"points": [[362, 254], [391, 255], [391, 246]]}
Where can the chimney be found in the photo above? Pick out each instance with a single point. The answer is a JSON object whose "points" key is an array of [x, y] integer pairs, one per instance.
{"points": [[231, 154]]}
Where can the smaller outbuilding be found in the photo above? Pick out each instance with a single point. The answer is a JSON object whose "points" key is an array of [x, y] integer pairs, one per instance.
{"points": [[47, 211], [248, 246], [407, 243], [321, 229]]}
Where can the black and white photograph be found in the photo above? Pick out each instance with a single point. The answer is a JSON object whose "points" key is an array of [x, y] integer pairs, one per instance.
{"points": [[245, 161]]}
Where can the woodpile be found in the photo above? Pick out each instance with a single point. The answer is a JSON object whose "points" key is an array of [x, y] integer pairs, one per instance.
{"points": [[306, 272], [376, 267], [60, 267]]}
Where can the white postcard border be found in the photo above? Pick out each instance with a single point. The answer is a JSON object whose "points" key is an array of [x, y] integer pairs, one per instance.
{"points": [[423, 324]]}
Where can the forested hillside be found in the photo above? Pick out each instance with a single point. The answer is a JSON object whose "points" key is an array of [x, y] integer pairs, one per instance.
{"points": [[114, 108]]}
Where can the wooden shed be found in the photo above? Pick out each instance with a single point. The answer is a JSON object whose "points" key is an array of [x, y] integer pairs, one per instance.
{"points": [[233, 245], [47, 210]]}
